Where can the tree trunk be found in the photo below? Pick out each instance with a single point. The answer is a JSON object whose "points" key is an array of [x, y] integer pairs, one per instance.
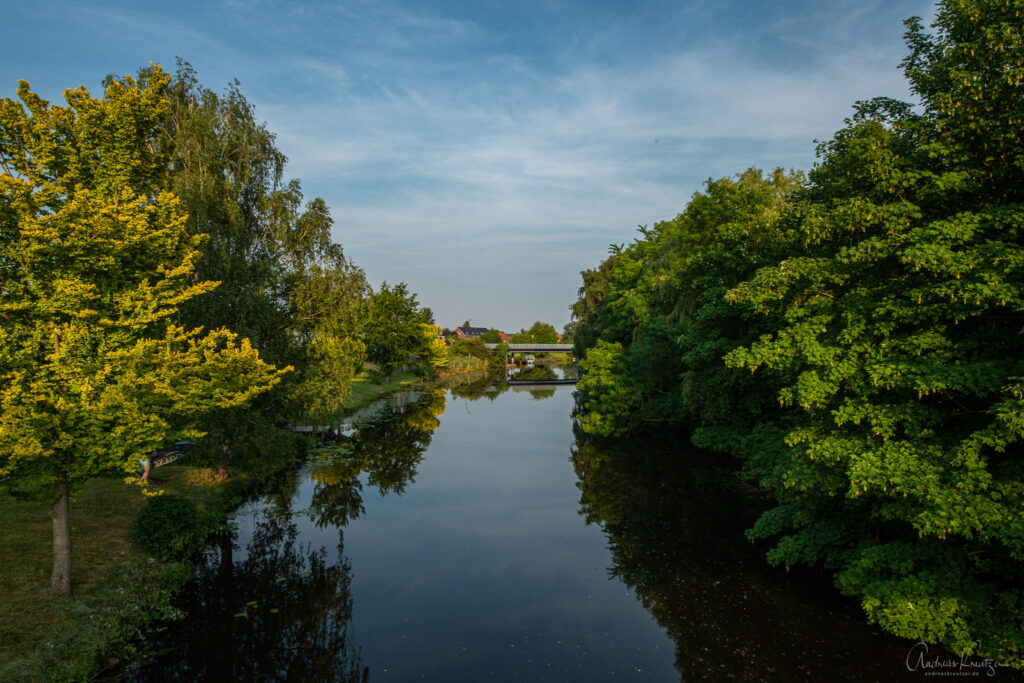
{"points": [[225, 460], [60, 579]]}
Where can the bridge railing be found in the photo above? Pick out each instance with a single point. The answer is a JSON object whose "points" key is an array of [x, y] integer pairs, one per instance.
{"points": [[535, 348]]}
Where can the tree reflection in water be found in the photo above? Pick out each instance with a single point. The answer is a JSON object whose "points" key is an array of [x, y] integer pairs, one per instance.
{"points": [[540, 373], [281, 613], [675, 522], [387, 447], [476, 385]]}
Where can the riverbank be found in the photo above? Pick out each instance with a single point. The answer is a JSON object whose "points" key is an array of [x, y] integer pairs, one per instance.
{"points": [[464, 365], [368, 387], [117, 589]]}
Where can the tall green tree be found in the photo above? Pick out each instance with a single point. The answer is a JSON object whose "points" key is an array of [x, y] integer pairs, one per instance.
{"points": [[96, 261], [285, 284], [874, 378], [543, 333], [657, 312], [491, 337], [903, 315], [397, 328]]}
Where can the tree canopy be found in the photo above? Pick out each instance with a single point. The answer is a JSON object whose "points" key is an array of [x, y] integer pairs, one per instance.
{"points": [[96, 262], [398, 327], [285, 284], [539, 333], [855, 340]]}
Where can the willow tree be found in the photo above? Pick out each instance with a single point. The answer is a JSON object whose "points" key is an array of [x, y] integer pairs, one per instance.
{"points": [[285, 284], [95, 260]]}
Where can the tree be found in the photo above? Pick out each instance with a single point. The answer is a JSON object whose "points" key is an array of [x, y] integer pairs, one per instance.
{"points": [[879, 307], [569, 331], [543, 333], [606, 392], [473, 346], [285, 284], [96, 261], [397, 328], [520, 337], [436, 352], [491, 337], [904, 472], [500, 356], [662, 298]]}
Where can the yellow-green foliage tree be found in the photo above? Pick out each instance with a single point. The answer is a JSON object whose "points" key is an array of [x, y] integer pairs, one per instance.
{"points": [[94, 262], [436, 355]]}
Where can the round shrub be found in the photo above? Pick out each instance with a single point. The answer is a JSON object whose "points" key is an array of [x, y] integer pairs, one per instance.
{"points": [[169, 526]]}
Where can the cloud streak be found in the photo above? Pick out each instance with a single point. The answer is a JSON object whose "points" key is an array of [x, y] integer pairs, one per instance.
{"points": [[457, 144]]}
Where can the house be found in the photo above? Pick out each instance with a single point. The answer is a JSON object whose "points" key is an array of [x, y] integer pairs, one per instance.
{"points": [[467, 332]]}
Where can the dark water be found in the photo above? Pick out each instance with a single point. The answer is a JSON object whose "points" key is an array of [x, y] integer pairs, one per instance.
{"points": [[468, 536]]}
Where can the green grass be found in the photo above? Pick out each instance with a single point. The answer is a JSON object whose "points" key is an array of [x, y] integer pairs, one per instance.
{"points": [[116, 588]]}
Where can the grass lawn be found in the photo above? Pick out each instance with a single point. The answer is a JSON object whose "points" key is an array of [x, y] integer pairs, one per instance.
{"points": [[107, 570]]}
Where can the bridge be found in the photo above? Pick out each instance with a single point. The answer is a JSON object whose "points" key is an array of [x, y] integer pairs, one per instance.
{"points": [[534, 348], [513, 349]]}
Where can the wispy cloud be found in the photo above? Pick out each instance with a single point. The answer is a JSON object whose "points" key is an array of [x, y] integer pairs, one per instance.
{"points": [[456, 146]]}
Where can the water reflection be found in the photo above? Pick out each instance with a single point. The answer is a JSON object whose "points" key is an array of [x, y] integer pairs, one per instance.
{"points": [[675, 528], [540, 373], [280, 612], [388, 447], [473, 564], [475, 386]]}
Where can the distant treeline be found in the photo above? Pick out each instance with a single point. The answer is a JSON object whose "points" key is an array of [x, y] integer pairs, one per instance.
{"points": [[854, 339]]}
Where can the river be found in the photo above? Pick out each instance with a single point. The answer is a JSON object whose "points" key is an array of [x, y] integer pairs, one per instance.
{"points": [[469, 535]]}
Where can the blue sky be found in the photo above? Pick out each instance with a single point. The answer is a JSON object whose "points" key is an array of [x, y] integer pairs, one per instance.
{"points": [[485, 152]]}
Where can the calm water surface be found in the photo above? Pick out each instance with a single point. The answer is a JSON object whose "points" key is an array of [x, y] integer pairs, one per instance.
{"points": [[472, 537]]}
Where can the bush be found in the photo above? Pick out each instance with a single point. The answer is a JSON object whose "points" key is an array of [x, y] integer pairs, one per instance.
{"points": [[169, 527], [471, 347]]}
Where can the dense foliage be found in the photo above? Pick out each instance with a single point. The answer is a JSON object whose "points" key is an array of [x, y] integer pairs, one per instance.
{"points": [[170, 527], [855, 340], [160, 279], [95, 262], [283, 283], [398, 328], [474, 346], [539, 333], [653, 321]]}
